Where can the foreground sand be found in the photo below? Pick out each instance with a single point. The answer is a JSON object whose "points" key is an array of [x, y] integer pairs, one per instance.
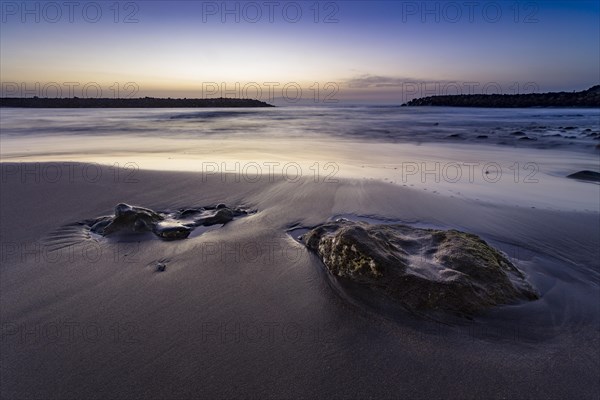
{"points": [[246, 311]]}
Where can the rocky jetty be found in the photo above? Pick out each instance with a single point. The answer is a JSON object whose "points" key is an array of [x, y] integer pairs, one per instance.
{"points": [[585, 98], [166, 225], [142, 102], [420, 269]]}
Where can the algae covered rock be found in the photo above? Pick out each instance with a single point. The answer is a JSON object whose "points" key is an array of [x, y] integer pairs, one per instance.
{"points": [[421, 269]]}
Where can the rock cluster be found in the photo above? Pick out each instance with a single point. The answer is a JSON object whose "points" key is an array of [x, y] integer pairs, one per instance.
{"points": [[166, 225]]}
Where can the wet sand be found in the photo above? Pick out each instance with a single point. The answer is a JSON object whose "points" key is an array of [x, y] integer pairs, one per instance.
{"points": [[245, 311]]}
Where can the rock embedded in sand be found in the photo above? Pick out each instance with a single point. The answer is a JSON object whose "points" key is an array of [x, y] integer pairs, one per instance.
{"points": [[172, 230], [130, 218], [222, 216], [421, 269], [168, 226]]}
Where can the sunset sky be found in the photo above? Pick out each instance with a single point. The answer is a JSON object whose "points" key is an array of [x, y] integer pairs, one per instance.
{"points": [[370, 51]]}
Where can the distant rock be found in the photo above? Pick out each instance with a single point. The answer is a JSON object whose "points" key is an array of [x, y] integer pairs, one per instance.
{"points": [[142, 102], [585, 98], [420, 269], [586, 175]]}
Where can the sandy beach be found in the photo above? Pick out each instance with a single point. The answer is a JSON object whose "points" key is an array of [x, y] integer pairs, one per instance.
{"points": [[246, 311], [300, 200]]}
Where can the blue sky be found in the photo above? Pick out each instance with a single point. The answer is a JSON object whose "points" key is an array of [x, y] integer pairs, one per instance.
{"points": [[371, 51]]}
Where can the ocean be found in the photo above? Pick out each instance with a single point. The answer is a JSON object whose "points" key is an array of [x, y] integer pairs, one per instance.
{"points": [[576, 129], [512, 156]]}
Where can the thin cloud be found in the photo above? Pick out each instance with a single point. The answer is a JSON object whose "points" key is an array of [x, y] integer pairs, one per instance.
{"points": [[379, 81]]}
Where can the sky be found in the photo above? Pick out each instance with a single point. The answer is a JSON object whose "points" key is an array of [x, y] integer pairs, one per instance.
{"points": [[324, 52]]}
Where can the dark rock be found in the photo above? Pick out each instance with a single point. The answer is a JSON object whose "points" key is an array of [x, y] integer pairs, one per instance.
{"points": [[584, 98], [527, 138], [97, 226], [172, 231], [160, 267], [189, 212], [128, 219], [420, 269], [142, 102], [482, 136], [518, 133], [168, 226], [585, 175], [220, 216]]}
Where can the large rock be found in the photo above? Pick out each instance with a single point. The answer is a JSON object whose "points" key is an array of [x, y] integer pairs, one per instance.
{"points": [[421, 269]]}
